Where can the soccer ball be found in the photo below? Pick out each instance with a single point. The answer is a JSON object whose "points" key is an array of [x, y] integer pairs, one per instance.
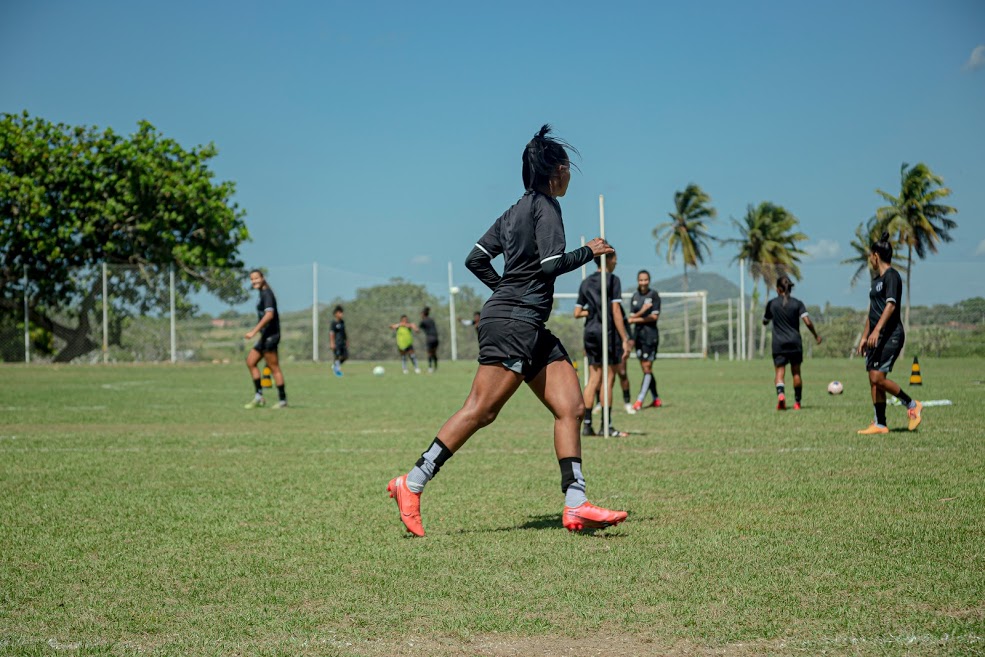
{"points": [[379, 371], [835, 388]]}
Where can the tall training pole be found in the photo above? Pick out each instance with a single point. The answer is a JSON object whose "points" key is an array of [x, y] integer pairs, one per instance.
{"points": [[452, 291], [105, 317], [584, 361], [741, 351], [605, 327], [314, 311], [731, 348]]}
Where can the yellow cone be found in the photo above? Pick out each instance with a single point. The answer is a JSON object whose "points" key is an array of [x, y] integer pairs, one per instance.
{"points": [[915, 378], [267, 383]]}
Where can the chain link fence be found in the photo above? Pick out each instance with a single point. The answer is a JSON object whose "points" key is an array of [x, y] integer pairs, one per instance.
{"points": [[152, 313]]}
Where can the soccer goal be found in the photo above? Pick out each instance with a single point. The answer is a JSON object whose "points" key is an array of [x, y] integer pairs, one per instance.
{"points": [[683, 322]]}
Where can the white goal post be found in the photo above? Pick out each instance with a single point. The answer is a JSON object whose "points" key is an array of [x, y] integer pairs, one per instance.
{"points": [[669, 317]]}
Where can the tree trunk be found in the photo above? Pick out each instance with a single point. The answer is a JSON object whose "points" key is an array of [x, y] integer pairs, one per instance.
{"points": [[687, 319]]}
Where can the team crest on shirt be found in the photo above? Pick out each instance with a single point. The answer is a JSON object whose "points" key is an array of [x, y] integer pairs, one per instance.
{"points": [[879, 286]]}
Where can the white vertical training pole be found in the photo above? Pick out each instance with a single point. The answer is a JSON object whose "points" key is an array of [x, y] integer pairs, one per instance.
{"points": [[742, 310], [105, 318], [27, 323], [452, 291], [314, 311], [584, 361], [174, 335], [704, 324], [731, 351], [605, 328]]}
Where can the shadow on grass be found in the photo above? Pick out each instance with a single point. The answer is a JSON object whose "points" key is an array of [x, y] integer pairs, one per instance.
{"points": [[546, 521]]}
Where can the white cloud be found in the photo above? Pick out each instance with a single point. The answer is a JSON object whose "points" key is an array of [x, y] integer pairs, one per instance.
{"points": [[421, 260], [823, 250], [981, 248], [976, 60]]}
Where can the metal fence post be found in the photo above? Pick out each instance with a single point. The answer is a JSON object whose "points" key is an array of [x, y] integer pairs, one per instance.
{"points": [[27, 323], [704, 323], [731, 352], [174, 334], [105, 317]]}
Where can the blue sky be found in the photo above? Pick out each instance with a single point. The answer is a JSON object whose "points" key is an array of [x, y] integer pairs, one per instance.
{"points": [[381, 139]]}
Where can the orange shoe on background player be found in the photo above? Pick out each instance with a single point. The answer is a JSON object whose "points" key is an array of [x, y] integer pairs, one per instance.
{"points": [[409, 504]]}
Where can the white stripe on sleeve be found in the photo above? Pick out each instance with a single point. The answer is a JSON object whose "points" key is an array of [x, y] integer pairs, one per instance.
{"points": [[551, 258], [483, 250]]}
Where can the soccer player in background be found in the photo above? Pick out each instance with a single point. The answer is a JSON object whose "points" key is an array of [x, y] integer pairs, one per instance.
{"points": [[338, 341], [589, 306], [431, 337], [644, 313], [268, 326], [883, 337], [786, 312], [515, 346], [405, 342], [620, 367]]}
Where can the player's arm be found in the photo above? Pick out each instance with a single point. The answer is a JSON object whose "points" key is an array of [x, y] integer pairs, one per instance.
{"points": [[580, 312], [865, 336], [479, 262], [887, 312], [768, 314], [810, 327], [266, 319], [331, 340], [617, 318]]}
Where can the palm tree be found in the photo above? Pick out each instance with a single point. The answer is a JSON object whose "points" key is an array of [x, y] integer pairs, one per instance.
{"points": [[687, 233], [862, 246], [769, 244], [916, 218]]}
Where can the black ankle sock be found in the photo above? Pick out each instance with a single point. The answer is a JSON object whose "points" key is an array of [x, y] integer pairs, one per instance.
{"points": [[258, 386], [903, 397], [653, 388], [880, 413], [797, 390], [281, 393], [779, 389], [625, 396]]}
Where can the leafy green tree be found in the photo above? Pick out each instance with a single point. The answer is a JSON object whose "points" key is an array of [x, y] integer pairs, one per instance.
{"points": [[864, 236], [768, 242], [74, 197], [917, 218], [687, 234]]}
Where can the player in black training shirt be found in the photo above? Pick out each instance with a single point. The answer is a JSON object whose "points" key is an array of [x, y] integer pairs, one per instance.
{"points": [[644, 312], [431, 338], [883, 337], [786, 312], [338, 341], [589, 306], [514, 344], [268, 326]]}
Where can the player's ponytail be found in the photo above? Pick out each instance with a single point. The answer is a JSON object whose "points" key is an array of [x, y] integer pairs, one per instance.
{"points": [[541, 157], [783, 287], [883, 248]]}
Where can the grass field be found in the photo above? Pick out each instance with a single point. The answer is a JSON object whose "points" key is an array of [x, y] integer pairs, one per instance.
{"points": [[143, 510]]}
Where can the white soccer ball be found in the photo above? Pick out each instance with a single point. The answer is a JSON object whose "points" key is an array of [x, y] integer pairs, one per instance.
{"points": [[379, 371], [835, 388]]}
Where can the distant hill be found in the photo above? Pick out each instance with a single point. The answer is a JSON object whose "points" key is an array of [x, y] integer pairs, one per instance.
{"points": [[719, 288]]}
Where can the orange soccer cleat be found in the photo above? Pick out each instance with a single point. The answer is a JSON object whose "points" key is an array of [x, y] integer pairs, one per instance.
{"points": [[589, 516], [637, 405], [914, 415], [656, 403], [796, 406], [409, 504], [781, 402], [873, 429]]}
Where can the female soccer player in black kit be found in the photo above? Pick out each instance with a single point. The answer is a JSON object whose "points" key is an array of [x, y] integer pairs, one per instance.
{"points": [[883, 338], [514, 344], [786, 312], [268, 326]]}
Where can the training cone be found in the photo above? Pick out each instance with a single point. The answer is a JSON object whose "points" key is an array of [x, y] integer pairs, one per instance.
{"points": [[915, 378], [267, 383]]}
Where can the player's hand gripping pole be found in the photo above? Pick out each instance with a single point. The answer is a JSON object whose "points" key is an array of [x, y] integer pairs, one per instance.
{"points": [[605, 327]]}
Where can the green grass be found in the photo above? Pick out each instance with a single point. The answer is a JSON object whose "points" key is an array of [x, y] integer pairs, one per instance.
{"points": [[143, 510]]}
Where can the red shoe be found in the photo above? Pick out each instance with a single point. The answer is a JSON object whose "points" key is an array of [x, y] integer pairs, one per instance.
{"points": [[656, 403], [409, 504], [589, 516], [781, 402], [637, 405], [796, 406]]}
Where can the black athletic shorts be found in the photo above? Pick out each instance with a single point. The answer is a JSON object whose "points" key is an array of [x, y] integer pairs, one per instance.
{"points": [[518, 346], [268, 343], [783, 358], [884, 355], [432, 345], [593, 349], [647, 350], [341, 352]]}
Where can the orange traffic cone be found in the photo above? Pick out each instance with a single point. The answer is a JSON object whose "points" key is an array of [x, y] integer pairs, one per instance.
{"points": [[267, 383], [915, 378]]}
